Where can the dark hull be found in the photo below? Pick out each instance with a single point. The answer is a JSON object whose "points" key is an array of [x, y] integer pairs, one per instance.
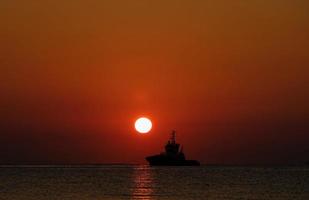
{"points": [[159, 160]]}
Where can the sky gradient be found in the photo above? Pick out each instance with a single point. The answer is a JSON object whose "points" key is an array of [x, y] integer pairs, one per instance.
{"points": [[230, 76]]}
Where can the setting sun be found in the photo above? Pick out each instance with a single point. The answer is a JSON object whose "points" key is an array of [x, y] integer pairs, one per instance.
{"points": [[143, 125]]}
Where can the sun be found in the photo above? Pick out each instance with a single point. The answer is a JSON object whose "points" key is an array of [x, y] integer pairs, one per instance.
{"points": [[143, 125]]}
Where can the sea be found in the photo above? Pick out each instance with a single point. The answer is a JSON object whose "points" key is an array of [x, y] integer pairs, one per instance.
{"points": [[104, 182]]}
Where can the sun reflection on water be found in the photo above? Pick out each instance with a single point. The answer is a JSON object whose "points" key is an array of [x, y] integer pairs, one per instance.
{"points": [[143, 183]]}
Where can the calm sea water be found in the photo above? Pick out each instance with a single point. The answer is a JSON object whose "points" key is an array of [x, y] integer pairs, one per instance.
{"points": [[143, 182]]}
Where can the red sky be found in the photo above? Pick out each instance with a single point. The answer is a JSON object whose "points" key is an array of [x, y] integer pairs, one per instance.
{"points": [[230, 76]]}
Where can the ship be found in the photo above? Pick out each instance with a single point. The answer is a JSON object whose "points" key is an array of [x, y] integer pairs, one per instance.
{"points": [[173, 155]]}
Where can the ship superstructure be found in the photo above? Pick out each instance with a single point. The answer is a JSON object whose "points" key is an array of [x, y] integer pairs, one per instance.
{"points": [[172, 156]]}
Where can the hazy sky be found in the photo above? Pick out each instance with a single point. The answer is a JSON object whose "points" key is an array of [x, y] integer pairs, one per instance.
{"points": [[230, 76]]}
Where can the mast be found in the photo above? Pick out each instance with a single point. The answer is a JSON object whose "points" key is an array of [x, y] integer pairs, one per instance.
{"points": [[173, 137]]}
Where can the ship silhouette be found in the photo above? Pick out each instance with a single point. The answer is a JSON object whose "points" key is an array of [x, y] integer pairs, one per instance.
{"points": [[173, 155]]}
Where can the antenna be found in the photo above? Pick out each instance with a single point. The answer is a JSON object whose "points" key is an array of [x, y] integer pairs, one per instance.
{"points": [[173, 137]]}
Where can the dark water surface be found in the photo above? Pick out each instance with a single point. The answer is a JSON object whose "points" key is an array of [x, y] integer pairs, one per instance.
{"points": [[143, 182]]}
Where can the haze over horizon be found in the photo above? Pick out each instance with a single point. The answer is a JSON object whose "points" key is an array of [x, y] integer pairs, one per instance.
{"points": [[230, 76]]}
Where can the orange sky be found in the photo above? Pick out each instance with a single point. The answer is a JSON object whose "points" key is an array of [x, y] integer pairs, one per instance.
{"points": [[230, 76]]}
